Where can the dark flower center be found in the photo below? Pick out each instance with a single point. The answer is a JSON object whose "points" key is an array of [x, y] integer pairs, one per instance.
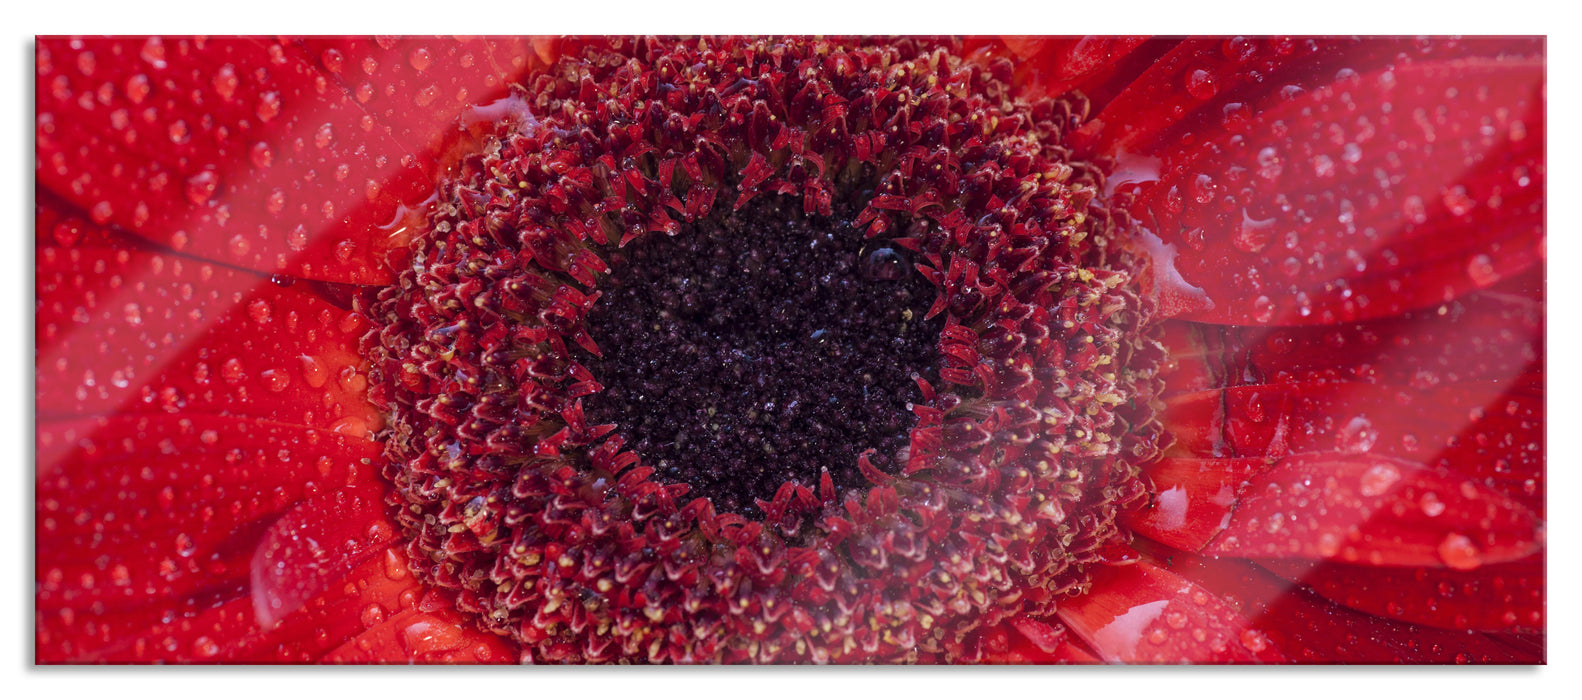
{"points": [[769, 350], [761, 347]]}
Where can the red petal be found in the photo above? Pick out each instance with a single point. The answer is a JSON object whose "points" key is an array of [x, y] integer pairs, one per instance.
{"points": [[193, 630], [1193, 499], [140, 508], [136, 332], [1471, 428], [235, 150], [1396, 190], [1310, 629], [442, 636], [1145, 614], [1203, 85], [316, 545], [1095, 66], [1486, 337], [149, 531], [416, 87], [1025, 641], [1375, 510], [1497, 598]]}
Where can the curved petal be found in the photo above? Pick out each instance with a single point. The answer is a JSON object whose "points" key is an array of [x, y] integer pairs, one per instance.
{"points": [[150, 527], [1375, 510], [125, 331], [1028, 641], [1143, 613], [415, 88], [1496, 598], [1475, 429], [1310, 629], [1492, 338], [264, 154], [1096, 67], [1205, 85], [1381, 193], [440, 636]]}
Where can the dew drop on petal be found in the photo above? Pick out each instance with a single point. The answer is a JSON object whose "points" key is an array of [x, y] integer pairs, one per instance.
{"points": [[1358, 435], [1201, 85], [185, 546], [225, 82], [1431, 504], [1379, 478], [373, 615], [268, 106], [1459, 552], [205, 648], [1480, 269], [231, 371], [334, 61], [419, 59], [276, 380], [313, 371], [259, 310]]}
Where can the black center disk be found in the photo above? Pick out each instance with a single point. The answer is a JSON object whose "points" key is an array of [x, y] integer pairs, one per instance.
{"points": [[762, 348]]}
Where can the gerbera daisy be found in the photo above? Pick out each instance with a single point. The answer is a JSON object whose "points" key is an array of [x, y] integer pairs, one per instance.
{"points": [[790, 350]]}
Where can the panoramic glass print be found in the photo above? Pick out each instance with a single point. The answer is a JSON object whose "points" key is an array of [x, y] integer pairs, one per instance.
{"points": [[790, 350]]}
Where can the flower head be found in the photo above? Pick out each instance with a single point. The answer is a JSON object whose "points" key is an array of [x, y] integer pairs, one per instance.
{"points": [[790, 350]]}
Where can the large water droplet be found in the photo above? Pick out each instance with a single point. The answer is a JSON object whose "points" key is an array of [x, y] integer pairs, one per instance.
{"points": [[884, 263], [1459, 552], [1357, 436], [1379, 478], [202, 186]]}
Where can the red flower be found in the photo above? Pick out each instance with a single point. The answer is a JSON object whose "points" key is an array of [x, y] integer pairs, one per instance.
{"points": [[1337, 245]]}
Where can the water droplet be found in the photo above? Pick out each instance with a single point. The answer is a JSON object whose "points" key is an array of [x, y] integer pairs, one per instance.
{"points": [[1201, 84], [205, 648], [1357, 436], [185, 546], [268, 106], [1458, 201], [259, 310], [313, 371], [1480, 269], [1431, 504], [334, 61], [231, 371], [324, 136], [419, 59], [427, 636], [137, 88], [1458, 552], [1269, 163], [202, 186], [261, 155], [178, 132], [1203, 188], [395, 565], [239, 245], [1379, 478], [1262, 309], [373, 615], [1254, 234], [276, 380], [884, 263], [345, 249], [225, 82], [153, 52]]}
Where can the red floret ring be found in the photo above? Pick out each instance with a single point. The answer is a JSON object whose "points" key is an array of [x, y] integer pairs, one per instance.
{"points": [[555, 533]]}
